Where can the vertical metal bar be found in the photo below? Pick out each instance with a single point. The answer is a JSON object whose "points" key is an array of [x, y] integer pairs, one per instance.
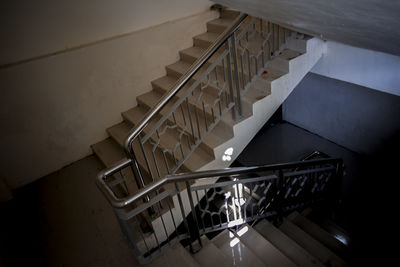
{"points": [[183, 214], [172, 217], [202, 215], [162, 221], [230, 80], [145, 158], [190, 119], [189, 191], [208, 203], [205, 116], [235, 70]]}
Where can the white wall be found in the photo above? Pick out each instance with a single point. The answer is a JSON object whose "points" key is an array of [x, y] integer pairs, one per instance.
{"points": [[360, 66], [53, 108], [34, 28]]}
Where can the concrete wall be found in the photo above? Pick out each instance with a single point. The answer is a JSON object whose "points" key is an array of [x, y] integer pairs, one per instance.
{"points": [[53, 107], [30, 29], [360, 66], [356, 117]]}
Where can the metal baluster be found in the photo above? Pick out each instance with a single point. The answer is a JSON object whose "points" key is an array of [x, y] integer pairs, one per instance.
{"points": [[166, 162], [172, 217], [205, 116], [230, 80], [208, 203], [197, 121], [124, 181], [189, 191], [235, 70], [202, 215], [162, 220], [145, 158], [190, 119], [183, 214]]}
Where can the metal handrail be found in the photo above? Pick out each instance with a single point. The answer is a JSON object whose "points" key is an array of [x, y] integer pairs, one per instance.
{"points": [[183, 177], [134, 133]]}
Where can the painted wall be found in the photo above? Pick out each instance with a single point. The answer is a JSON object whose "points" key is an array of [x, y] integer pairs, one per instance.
{"points": [[360, 66], [35, 28], [356, 117], [53, 108]]}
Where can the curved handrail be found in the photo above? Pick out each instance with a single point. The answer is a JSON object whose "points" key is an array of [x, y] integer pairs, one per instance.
{"points": [[122, 202], [181, 82]]}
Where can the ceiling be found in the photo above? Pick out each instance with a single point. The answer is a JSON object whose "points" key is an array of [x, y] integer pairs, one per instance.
{"points": [[370, 24]]}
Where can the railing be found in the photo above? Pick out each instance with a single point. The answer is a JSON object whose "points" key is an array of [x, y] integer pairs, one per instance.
{"points": [[186, 206], [160, 144]]}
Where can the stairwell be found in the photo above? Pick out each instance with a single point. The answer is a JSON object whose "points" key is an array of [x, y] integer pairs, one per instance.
{"points": [[226, 136], [266, 93]]}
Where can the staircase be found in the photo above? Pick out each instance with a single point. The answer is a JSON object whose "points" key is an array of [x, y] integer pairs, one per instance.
{"points": [[167, 155], [297, 241], [224, 140]]}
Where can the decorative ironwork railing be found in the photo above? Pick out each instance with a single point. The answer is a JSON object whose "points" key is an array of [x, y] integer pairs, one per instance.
{"points": [[186, 206]]}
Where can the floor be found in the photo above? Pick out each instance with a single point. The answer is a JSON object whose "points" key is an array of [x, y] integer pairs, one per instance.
{"points": [[63, 220]]}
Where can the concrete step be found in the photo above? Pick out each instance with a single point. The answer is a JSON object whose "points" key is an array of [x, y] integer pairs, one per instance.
{"points": [[320, 234], [229, 14], [119, 132], [219, 25], [286, 245], [205, 39], [175, 256], [315, 248], [264, 249], [109, 152], [211, 256], [239, 254]]}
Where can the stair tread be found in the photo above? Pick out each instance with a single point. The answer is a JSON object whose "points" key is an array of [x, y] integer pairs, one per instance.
{"points": [[210, 256], [165, 82], [289, 247], [219, 25], [228, 13], [238, 253], [149, 99], [260, 246], [108, 151], [326, 256], [174, 256], [270, 74], [207, 38], [119, 132], [179, 67], [289, 54], [320, 234]]}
